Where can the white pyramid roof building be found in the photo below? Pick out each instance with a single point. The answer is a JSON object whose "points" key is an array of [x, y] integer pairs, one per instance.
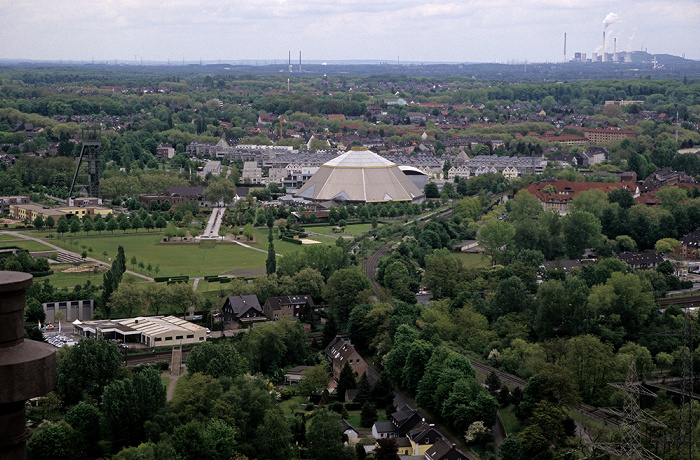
{"points": [[360, 176]]}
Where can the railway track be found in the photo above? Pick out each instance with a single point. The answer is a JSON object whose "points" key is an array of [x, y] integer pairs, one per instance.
{"points": [[689, 301], [589, 411], [140, 359]]}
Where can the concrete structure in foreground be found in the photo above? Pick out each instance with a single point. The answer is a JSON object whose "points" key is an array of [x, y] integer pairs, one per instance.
{"points": [[27, 367], [152, 331]]}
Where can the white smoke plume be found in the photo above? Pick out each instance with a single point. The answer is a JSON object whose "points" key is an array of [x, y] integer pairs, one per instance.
{"points": [[610, 19]]}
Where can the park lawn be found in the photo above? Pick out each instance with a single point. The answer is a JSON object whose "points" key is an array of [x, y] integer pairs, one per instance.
{"points": [[69, 280], [281, 247], [5, 237], [29, 245], [172, 259], [472, 260]]}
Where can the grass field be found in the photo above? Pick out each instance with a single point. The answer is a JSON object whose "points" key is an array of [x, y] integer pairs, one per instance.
{"points": [[29, 245], [510, 422], [352, 230], [472, 260], [69, 280], [173, 259]]}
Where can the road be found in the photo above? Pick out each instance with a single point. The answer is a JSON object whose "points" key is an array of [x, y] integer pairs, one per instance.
{"points": [[59, 249]]}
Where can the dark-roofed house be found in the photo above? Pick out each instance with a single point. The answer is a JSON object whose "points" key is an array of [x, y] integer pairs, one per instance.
{"points": [[405, 420], [243, 309], [384, 429], [690, 244], [340, 351], [349, 430], [641, 260], [288, 306], [422, 437], [445, 450]]}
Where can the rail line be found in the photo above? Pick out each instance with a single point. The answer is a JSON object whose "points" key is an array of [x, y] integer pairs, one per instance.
{"points": [[140, 359]]}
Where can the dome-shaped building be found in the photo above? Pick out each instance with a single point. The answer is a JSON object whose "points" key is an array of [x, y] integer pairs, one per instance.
{"points": [[360, 176]]}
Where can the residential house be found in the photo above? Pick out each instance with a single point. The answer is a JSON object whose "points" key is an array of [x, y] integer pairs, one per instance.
{"points": [[165, 151], [405, 420], [243, 309], [340, 351], [690, 244], [422, 437], [641, 260], [384, 429], [295, 374], [252, 174], [445, 450], [557, 194], [349, 430], [289, 306], [6, 201], [601, 135], [213, 167]]}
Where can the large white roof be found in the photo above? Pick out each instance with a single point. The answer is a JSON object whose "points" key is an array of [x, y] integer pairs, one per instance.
{"points": [[359, 159], [359, 176]]}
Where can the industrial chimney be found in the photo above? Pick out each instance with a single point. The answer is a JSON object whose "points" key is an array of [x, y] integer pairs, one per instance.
{"points": [[603, 55], [564, 46], [615, 49]]}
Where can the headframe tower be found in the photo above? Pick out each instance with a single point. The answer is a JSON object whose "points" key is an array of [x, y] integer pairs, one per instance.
{"points": [[87, 171]]}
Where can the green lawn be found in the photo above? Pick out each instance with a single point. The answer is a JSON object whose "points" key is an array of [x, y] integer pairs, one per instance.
{"points": [[61, 280], [295, 403], [29, 245], [354, 418], [172, 259], [472, 260], [510, 422]]}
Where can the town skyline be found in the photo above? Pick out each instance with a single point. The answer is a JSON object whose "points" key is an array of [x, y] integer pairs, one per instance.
{"points": [[430, 32]]}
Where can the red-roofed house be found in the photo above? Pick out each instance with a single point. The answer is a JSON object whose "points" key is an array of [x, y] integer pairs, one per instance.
{"points": [[566, 191]]}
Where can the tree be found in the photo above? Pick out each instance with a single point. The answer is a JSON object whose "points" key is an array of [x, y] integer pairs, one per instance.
{"points": [[364, 390], [74, 225], [346, 381], [314, 381], [593, 201], [216, 359], [63, 226], [34, 311], [368, 415], [84, 418], [274, 436], [494, 237], [667, 245], [342, 289], [671, 197], [100, 224], [469, 208], [112, 225], [52, 441], [387, 449], [325, 435], [525, 206], [581, 230], [622, 196], [271, 262], [431, 190], [136, 222], [510, 297], [510, 449], [50, 222], [442, 271], [88, 224], [88, 368], [38, 222], [149, 224]]}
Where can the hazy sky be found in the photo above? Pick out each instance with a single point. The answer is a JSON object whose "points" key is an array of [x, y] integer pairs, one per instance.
{"points": [[414, 30]]}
